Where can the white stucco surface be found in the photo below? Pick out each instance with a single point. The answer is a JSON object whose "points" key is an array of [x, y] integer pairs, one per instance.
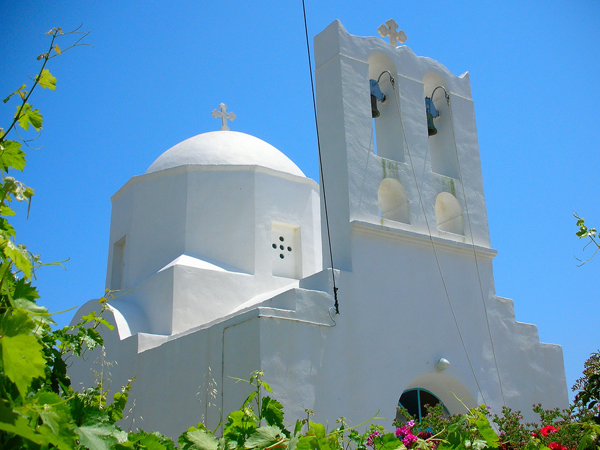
{"points": [[225, 148], [217, 251]]}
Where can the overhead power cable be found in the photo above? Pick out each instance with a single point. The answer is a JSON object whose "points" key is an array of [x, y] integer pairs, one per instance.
{"points": [[312, 85]]}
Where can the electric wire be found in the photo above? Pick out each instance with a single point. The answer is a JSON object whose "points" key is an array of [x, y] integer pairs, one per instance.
{"points": [[473, 246], [397, 102], [312, 86]]}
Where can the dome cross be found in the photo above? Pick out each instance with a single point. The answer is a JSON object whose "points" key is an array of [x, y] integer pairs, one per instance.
{"points": [[223, 115], [392, 32]]}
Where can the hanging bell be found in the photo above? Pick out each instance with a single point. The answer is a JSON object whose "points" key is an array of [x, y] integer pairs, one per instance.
{"points": [[431, 129], [374, 111], [431, 114], [376, 94]]}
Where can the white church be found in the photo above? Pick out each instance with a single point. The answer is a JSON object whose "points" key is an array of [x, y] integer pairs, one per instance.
{"points": [[222, 252]]}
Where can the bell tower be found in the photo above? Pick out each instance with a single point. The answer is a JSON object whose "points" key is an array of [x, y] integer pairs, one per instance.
{"points": [[398, 140]]}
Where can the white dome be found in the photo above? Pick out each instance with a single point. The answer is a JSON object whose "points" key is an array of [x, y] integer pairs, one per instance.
{"points": [[225, 148]]}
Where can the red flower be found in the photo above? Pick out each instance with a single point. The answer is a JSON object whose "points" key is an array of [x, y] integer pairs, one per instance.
{"points": [[549, 429], [534, 434], [556, 446]]}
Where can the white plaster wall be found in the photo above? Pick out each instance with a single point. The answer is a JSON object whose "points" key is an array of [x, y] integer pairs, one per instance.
{"points": [[396, 319], [390, 280], [388, 337], [393, 329], [198, 240], [152, 216], [344, 65], [292, 203]]}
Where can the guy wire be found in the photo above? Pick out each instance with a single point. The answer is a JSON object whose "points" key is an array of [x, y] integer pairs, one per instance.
{"points": [[312, 85], [397, 101], [473, 246]]}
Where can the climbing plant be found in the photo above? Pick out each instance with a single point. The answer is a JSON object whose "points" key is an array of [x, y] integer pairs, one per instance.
{"points": [[38, 407], [589, 234]]}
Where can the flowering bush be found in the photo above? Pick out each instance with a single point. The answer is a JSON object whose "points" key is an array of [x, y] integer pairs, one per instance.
{"points": [[588, 390], [556, 430], [405, 434]]}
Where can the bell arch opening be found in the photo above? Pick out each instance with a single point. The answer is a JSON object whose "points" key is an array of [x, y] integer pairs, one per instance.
{"points": [[448, 213], [439, 128], [450, 392], [416, 402], [387, 128], [393, 201]]}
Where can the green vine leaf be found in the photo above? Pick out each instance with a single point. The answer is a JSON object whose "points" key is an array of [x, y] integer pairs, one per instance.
{"points": [[11, 155], [56, 417], [264, 437], [6, 229], [15, 322], [28, 117], [18, 91], [6, 211], [24, 290], [38, 313], [21, 427], [46, 79], [482, 424], [23, 360], [18, 254], [200, 440], [98, 435], [390, 442], [272, 412]]}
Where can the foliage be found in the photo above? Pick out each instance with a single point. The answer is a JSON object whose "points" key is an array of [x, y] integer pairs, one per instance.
{"points": [[587, 233], [587, 400], [38, 407], [556, 430]]}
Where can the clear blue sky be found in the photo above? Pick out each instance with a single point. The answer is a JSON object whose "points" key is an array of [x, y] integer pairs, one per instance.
{"points": [[157, 70]]}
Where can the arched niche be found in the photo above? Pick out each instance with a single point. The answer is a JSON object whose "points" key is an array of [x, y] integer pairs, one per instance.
{"points": [[448, 213], [441, 145], [388, 141], [393, 201], [451, 392], [416, 401]]}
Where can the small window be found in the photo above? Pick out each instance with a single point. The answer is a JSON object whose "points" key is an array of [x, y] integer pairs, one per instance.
{"points": [[285, 245], [415, 401], [118, 265]]}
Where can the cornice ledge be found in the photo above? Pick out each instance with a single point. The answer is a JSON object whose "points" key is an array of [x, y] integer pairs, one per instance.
{"points": [[395, 234]]}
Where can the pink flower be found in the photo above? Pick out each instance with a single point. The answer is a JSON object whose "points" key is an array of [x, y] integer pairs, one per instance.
{"points": [[410, 423], [402, 431], [371, 437], [409, 440]]}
